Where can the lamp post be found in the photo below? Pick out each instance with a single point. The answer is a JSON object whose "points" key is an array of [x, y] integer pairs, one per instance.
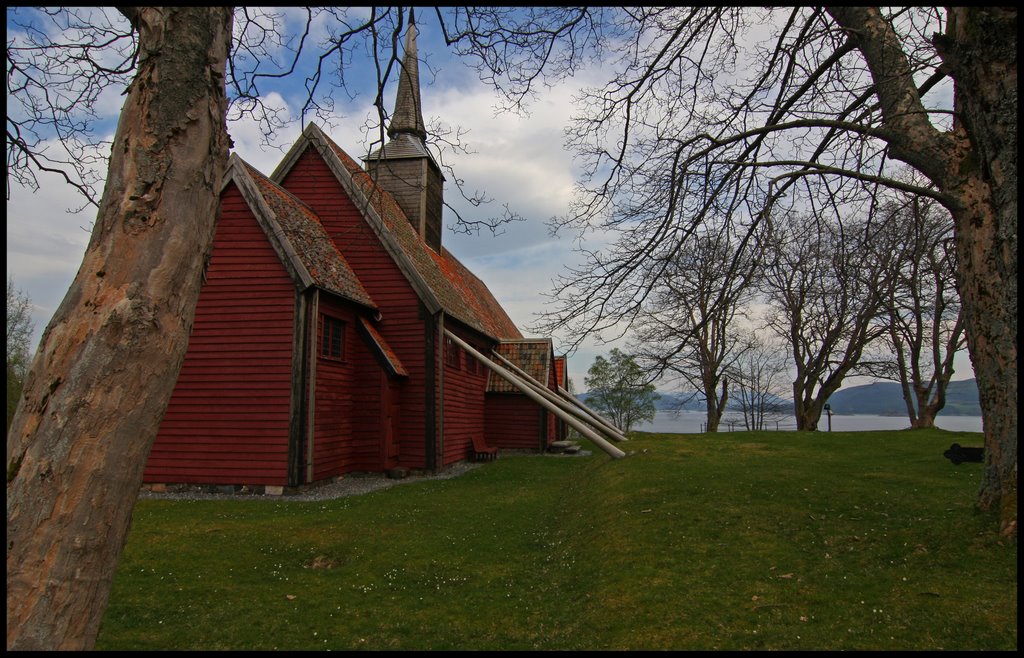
{"points": [[828, 412]]}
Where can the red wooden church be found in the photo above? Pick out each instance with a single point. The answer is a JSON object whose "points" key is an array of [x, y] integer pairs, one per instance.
{"points": [[334, 332]]}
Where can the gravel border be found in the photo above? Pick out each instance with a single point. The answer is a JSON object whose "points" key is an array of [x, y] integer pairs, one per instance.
{"points": [[352, 484]]}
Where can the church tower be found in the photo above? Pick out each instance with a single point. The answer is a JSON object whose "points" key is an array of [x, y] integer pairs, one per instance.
{"points": [[403, 166]]}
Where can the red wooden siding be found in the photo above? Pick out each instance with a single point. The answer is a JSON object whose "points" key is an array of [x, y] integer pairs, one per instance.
{"points": [[228, 418], [401, 324], [347, 418], [554, 423], [513, 421], [465, 384]]}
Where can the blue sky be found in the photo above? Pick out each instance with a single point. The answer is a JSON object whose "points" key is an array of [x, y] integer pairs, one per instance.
{"points": [[519, 160]]}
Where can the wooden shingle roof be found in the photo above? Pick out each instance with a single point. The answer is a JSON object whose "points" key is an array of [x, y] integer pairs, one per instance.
{"points": [[442, 282], [391, 360], [532, 355], [301, 241], [560, 363]]}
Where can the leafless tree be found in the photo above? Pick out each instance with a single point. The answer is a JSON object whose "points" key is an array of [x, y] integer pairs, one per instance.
{"points": [[688, 330], [922, 312], [825, 299], [743, 112], [109, 358], [58, 68], [691, 125], [760, 379], [81, 433]]}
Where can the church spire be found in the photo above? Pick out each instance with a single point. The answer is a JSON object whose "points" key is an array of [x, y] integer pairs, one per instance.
{"points": [[408, 116], [404, 166]]}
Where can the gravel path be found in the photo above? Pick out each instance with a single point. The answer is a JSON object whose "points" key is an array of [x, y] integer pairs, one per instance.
{"points": [[349, 485]]}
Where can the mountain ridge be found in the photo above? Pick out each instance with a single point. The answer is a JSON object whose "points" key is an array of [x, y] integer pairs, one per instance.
{"points": [[876, 398]]}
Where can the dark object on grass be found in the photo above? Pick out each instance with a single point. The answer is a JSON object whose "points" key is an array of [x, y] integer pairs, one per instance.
{"points": [[483, 452], [959, 454]]}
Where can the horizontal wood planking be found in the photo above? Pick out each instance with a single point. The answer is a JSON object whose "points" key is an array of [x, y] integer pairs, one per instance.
{"points": [[347, 418], [401, 325], [513, 421], [227, 421], [465, 386]]}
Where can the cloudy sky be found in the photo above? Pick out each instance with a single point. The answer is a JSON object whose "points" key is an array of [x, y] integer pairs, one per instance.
{"points": [[519, 160]]}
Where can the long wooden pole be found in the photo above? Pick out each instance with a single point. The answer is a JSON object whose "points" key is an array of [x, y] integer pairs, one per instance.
{"points": [[511, 378], [590, 412], [612, 432]]}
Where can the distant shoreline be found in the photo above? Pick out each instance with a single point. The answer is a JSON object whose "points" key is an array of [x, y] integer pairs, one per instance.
{"points": [[689, 421]]}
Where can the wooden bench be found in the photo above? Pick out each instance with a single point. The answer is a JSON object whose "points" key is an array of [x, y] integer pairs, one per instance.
{"points": [[483, 452]]}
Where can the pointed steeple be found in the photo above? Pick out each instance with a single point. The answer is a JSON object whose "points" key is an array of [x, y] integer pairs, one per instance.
{"points": [[408, 116], [404, 166]]}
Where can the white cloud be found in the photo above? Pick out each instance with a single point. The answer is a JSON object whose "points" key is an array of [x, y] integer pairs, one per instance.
{"points": [[45, 243], [518, 159]]}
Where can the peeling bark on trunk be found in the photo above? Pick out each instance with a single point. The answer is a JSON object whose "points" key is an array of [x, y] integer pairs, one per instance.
{"points": [[109, 359], [975, 167], [981, 50]]}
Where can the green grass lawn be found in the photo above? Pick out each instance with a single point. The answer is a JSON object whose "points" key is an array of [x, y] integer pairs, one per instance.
{"points": [[775, 540]]}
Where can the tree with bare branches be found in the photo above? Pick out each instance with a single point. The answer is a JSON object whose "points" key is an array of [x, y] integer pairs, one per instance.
{"points": [[691, 125], [923, 314], [109, 358], [760, 375], [688, 331], [744, 112], [825, 300]]}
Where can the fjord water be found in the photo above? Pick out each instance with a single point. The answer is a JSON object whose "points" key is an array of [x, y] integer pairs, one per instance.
{"points": [[691, 422]]}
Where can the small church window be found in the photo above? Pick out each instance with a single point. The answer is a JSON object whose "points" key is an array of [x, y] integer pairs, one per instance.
{"points": [[332, 338], [452, 353]]}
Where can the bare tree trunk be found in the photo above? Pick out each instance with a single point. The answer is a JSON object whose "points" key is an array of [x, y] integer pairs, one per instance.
{"points": [[975, 166], [984, 188], [108, 361], [928, 406], [716, 405]]}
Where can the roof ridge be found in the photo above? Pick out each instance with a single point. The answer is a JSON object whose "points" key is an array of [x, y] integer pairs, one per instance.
{"points": [[314, 258], [439, 275]]}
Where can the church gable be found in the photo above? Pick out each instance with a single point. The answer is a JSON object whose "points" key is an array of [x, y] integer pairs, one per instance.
{"points": [[296, 232], [440, 280]]}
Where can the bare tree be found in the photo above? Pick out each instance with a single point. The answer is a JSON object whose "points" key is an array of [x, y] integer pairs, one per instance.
{"points": [[833, 97], [108, 360], [737, 111], [760, 379], [687, 332], [59, 67], [19, 338], [922, 312], [825, 299]]}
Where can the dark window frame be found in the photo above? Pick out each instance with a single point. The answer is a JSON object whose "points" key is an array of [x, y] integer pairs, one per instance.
{"points": [[332, 337], [452, 354]]}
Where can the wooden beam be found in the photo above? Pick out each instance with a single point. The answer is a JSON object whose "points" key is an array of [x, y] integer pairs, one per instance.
{"points": [[609, 430], [513, 379], [590, 412]]}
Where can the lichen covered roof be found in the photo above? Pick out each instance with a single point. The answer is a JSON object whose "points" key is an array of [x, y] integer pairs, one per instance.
{"points": [[461, 294], [385, 350], [531, 355], [309, 240]]}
